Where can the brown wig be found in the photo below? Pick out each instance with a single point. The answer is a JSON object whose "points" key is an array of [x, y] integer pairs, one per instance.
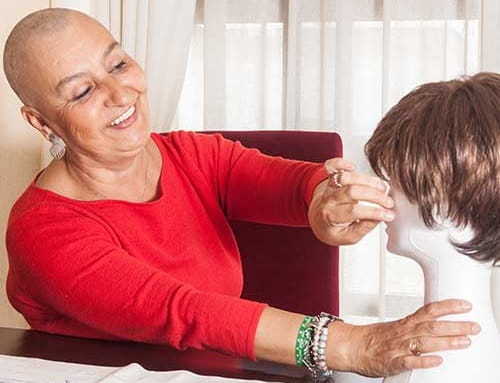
{"points": [[440, 145]]}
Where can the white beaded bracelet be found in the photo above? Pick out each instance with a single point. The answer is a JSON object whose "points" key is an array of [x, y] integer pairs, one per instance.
{"points": [[316, 362]]}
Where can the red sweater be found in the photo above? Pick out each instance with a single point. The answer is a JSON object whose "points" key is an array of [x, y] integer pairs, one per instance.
{"points": [[166, 271]]}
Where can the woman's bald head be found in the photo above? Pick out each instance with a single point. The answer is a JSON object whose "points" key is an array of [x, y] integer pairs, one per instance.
{"points": [[24, 42]]}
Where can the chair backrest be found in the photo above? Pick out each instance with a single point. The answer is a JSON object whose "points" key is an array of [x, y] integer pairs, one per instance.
{"points": [[287, 267]]}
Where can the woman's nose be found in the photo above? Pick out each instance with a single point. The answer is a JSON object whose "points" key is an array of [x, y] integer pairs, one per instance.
{"points": [[117, 93]]}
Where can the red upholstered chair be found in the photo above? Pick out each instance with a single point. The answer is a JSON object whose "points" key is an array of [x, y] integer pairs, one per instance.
{"points": [[287, 267]]}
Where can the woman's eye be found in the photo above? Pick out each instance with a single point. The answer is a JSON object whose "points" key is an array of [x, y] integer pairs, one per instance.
{"points": [[122, 64], [82, 94]]}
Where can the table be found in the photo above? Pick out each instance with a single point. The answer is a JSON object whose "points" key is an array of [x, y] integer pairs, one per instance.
{"points": [[30, 343]]}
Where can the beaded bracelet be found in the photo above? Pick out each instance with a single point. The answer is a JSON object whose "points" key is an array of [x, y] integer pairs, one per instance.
{"points": [[320, 337], [316, 360], [303, 342]]}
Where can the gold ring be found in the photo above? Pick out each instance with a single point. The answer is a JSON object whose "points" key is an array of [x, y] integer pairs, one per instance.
{"points": [[335, 178], [414, 348]]}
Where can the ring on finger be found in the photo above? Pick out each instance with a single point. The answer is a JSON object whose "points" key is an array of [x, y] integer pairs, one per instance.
{"points": [[336, 178], [414, 349]]}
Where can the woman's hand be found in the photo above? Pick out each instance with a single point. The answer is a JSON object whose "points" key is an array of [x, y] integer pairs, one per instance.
{"points": [[335, 215], [385, 349]]}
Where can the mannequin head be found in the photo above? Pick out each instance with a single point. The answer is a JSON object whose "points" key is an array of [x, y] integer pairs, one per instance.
{"points": [[439, 147], [409, 236]]}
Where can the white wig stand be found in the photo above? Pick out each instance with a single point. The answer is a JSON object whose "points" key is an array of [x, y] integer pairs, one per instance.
{"points": [[447, 274]]}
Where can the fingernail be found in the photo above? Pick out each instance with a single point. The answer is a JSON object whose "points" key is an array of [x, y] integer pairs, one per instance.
{"points": [[476, 329], [462, 342], [389, 216], [389, 202], [466, 305]]}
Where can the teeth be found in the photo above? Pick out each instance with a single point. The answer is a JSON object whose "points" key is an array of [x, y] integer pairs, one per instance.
{"points": [[124, 116]]}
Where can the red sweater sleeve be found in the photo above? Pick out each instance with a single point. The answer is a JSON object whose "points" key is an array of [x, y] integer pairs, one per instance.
{"points": [[84, 275], [253, 186]]}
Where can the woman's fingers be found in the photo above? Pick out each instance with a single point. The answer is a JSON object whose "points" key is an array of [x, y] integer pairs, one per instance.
{"points": [[446, 328], [427, 344], [355, 193], [390, 348], [423, 333], [349, 222], [349, 212], [348, 178], [335, 164], [438, 309], [349, 205], [411, 362], [350, 233], [358, 230]]}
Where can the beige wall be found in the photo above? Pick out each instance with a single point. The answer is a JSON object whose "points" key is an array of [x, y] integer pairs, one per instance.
{"points": [[19, 149]]}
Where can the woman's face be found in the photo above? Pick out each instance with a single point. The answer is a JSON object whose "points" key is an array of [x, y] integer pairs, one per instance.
{"points": [[94, 94]]}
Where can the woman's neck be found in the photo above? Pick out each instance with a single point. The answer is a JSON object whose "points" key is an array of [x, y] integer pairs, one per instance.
{"points": [[132, 179]]}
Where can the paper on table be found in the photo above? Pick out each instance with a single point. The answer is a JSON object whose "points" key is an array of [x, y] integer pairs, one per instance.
{"points": [[135, 373], [32, 370]]}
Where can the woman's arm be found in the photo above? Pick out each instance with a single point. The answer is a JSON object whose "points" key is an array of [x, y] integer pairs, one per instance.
{"points": [[82, 282], [380, 349]]}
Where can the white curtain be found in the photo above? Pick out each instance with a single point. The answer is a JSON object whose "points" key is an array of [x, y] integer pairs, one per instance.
{"points": [[334, 65], [158, 34]]}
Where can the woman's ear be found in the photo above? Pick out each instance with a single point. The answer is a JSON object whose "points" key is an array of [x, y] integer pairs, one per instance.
{"points": [[35, 119]]}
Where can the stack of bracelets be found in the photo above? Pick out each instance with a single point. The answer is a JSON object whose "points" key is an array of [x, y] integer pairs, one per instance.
{"points": [[310, 348]]}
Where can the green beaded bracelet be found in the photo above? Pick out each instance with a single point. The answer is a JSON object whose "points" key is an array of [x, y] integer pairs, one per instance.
{"points": [[303, 341]]}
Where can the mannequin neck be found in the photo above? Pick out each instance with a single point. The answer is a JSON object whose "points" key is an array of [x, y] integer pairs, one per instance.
{"points": [[449, 273]]}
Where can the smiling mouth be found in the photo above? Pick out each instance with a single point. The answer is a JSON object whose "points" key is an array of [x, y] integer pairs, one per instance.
{"points": [[127, 114]]}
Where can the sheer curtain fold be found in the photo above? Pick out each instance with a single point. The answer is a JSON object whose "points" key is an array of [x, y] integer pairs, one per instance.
{"points": [[214, 53], [170, 25], [490, 30], [291, 83]]}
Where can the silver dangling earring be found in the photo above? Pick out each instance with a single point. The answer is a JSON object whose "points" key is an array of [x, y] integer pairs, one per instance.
{"points": [[58, 148]]}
